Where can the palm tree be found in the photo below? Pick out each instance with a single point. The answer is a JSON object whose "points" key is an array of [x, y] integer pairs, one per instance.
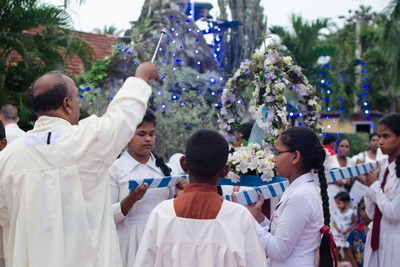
{"points": [[109, 30], [391, 44], [305, 44], [67, 2], [38, 53]]}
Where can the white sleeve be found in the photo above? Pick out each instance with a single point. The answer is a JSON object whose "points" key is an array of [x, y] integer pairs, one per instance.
{"points": [[390, 208], [118, 125], [114, 190], [254, 254], [4, 219], [361, 156], [370, 199], [280, 245], [147, 252]]}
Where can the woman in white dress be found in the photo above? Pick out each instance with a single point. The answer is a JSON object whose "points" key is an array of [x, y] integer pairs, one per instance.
{"points": [[293, 235], [371, 154], [339, 160], [132, 208], [382, 200]]}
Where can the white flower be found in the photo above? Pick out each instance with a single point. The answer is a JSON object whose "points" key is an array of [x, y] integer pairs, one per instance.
{"points": [[234, 177], [242, 167], [231, 120], [259, 53], [280, 86], [253, 164], [267, 175], [312, 102], [275, 132], [267, 62], [263, 163], [287, 60]]}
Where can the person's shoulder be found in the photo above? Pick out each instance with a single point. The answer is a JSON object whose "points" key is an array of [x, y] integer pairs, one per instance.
{"points": [[166, 207]]}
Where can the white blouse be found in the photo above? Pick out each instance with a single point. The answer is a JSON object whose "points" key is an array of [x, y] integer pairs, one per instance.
{"points": [[294, 236], [388, 201], [130, 228]]}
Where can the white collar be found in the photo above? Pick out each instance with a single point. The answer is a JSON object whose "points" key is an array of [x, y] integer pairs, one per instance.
{"points": [[47, 124], [11, 125], [129, 163]]}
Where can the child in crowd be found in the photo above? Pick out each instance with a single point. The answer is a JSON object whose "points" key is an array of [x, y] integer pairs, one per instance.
{"points": [[200, 228], [382, 200], [357, 237], [344, 221]]}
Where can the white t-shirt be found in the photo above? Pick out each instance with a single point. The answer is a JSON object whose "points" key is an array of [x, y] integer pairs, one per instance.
{"points": [[13, 132]]}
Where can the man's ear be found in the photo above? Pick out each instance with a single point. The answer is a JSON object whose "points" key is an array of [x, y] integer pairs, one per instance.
{"points": [[67, 105], [182, 161], [3, 143], [17, 120], [224, 171]]}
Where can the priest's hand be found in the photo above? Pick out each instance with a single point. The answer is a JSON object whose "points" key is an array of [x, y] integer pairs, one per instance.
{"points": [[373, 176], [133, 197], [180, 184], [147, 71], [254, 208]]}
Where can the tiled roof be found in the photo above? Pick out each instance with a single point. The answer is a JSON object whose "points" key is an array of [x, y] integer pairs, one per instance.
{"points": [[101, 44]]}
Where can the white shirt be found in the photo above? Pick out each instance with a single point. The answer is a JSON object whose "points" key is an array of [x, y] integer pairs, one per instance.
{"points": [[13, 132], [229, 240], [55, 198], [295, 225], [130, 228], [388, 201]]}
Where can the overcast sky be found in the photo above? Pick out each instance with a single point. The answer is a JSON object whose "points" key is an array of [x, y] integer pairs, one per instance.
{"points": [[97, 13]]}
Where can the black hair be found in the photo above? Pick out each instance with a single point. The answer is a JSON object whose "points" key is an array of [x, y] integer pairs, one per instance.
{"points": [[372, 135], [393, 122], [343, 196], [329, 139], [245, 130], [9, 112], [53, 97], [305, 141], [341, 140], [206, 153], [149, 116], [2, 131]]}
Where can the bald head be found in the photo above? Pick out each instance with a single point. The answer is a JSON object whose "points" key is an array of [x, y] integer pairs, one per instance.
{"points": [[48, 91], [9, 113]]}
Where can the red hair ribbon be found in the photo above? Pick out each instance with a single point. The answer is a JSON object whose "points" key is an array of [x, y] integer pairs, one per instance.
{"points": [[325, 230]]}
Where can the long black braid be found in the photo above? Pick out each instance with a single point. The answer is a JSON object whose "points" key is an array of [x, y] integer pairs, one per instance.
{"points": [[160, 163], [305, 141]]}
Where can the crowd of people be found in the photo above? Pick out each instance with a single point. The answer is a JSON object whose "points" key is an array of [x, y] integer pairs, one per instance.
{"points": [[65, 198]]}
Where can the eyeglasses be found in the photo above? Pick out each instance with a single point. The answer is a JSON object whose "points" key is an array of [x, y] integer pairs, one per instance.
{"points": [[363, 208], [276, 153]]}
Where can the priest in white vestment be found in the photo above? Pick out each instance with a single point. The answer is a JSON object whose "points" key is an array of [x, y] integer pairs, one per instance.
{"points": [[54, 182]]}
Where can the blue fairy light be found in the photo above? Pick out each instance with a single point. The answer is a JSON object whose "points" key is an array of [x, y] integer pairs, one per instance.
{"points": [[322, 81], [182, 103]]}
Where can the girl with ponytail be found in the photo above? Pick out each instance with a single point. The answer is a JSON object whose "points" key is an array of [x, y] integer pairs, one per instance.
{"points": [[382, 200], [132, 208], [293, 235]]}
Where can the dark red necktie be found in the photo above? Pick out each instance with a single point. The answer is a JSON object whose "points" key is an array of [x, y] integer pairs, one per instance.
{"points": [[376, 227]]}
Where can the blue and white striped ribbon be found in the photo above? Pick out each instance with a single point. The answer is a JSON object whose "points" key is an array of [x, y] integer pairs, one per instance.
{"points": [[269, 190], [156, 182]]}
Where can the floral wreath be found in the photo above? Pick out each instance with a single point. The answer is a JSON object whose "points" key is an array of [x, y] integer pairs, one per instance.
{"points": [[268, 74]]}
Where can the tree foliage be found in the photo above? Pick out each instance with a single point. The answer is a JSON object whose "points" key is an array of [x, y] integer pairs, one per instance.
{"points": [[35, 53]]}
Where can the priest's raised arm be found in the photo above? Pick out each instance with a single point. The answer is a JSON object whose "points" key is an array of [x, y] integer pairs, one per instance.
{"points": [[54, 181]]}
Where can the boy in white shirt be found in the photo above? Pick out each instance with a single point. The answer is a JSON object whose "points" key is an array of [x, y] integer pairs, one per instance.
{"points": [[200, 228]]}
